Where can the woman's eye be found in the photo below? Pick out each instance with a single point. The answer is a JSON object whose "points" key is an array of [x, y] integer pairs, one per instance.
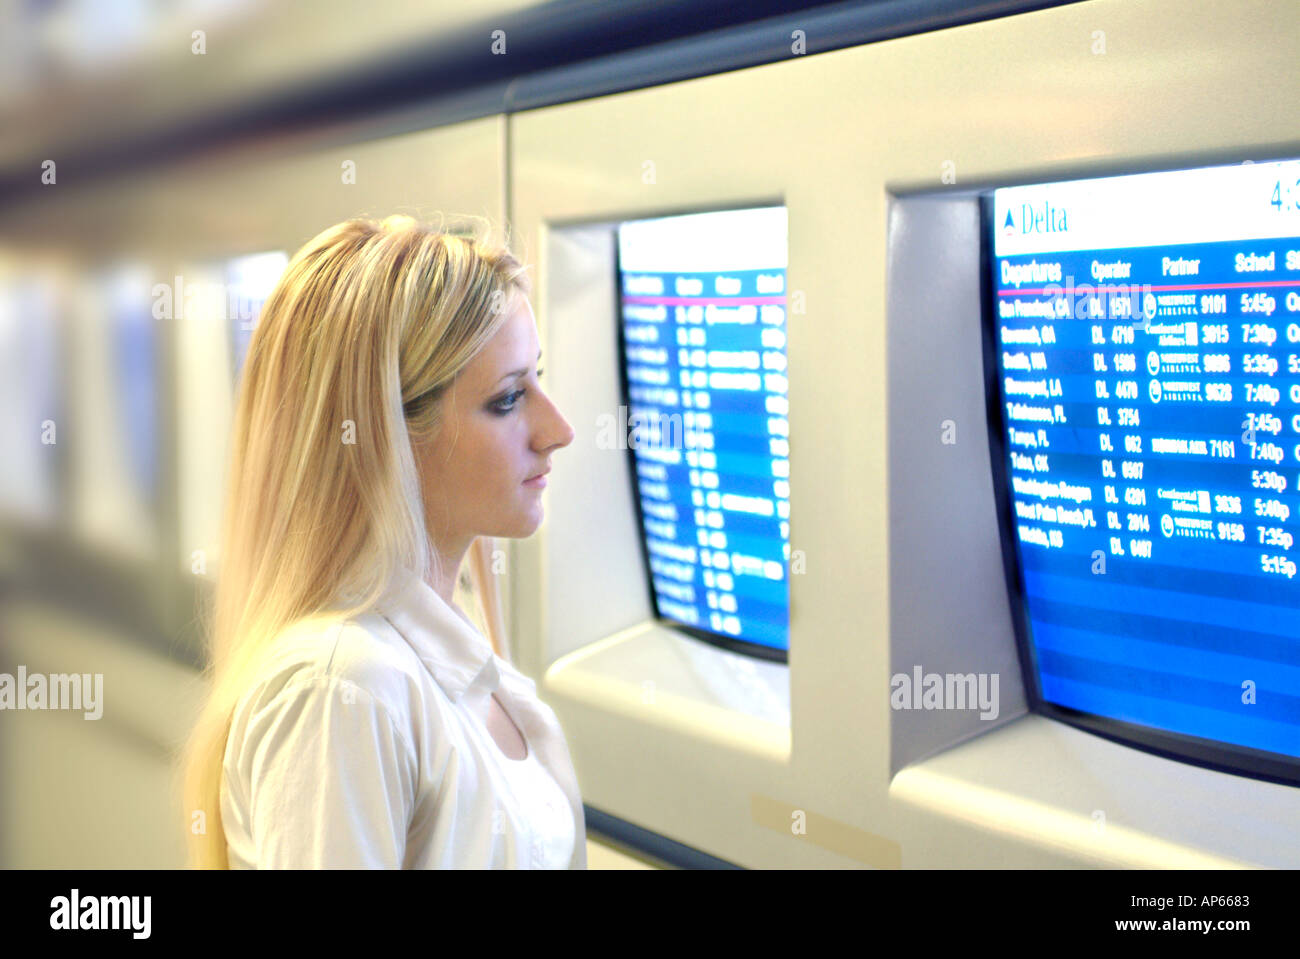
{"points": [[507, 402]]}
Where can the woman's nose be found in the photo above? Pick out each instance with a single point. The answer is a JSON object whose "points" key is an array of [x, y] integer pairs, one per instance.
{"points": [[556, 432], [565, 429]]}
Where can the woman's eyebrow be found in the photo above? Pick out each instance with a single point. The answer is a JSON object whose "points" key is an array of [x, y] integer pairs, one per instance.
{"points": [[517, 373]]}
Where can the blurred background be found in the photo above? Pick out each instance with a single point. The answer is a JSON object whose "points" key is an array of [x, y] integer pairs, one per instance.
{"points": [[132, 268]]}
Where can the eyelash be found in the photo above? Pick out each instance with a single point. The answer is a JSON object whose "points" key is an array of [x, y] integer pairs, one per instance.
{"points": [[506, 404], [500, 407]]}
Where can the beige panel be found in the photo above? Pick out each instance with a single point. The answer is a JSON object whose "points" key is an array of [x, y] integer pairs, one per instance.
{"points": [[602, 856]]}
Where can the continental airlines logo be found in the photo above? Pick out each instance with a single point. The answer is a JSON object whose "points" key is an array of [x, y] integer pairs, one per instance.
{"points": [[1043, 218]]}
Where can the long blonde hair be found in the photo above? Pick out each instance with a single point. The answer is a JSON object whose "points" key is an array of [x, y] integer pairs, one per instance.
{"points": [[369, 325]]}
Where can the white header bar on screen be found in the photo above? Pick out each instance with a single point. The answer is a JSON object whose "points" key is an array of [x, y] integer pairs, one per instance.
{"points": [[1249, 201], [705, 242]]}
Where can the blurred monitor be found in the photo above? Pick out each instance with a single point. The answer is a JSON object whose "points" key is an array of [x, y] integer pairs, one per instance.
{"points": [[134, 345], [222, 300], [249, 281], [31, 391], [113, 424]]}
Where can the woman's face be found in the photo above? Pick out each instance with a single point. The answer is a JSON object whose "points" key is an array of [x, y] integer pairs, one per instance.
{"points": [[497, 431]]}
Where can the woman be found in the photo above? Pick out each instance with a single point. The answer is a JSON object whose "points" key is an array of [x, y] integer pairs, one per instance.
{"points": [[389, 416]]}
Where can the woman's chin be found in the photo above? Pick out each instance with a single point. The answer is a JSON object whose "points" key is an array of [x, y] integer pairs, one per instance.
{"points": [[526, 525], [534, 523]]}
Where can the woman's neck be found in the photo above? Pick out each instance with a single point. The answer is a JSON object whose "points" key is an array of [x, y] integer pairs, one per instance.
{"points": [[444, 573]]}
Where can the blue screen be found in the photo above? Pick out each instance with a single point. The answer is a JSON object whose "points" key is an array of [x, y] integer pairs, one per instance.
{"points": [[703, 313], [127, 306], [1147, 332]]}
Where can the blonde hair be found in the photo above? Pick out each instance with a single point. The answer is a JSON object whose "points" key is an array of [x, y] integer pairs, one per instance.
{"points": [[367, 328]]}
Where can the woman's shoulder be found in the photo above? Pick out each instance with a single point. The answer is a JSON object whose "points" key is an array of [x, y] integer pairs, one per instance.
{"points": [[334, 653]]}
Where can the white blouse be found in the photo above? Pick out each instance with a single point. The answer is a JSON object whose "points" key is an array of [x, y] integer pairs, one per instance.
{"points": [[363, 744]]}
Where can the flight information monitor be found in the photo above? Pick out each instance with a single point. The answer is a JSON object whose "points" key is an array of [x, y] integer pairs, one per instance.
{"points": [[1146, 431], [702, 302]]}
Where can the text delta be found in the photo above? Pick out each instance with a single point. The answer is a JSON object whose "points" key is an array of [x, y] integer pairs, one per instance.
{"points": [[1047, 220]]}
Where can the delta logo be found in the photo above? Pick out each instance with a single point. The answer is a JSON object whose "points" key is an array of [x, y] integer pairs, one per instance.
{"points": [[1047, 219]]}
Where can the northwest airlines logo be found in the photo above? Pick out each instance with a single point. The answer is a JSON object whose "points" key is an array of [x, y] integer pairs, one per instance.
{"points": [[1035, 219]]}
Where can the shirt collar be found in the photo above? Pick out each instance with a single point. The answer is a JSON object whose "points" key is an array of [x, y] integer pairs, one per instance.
{"points": [[453, 651]]}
